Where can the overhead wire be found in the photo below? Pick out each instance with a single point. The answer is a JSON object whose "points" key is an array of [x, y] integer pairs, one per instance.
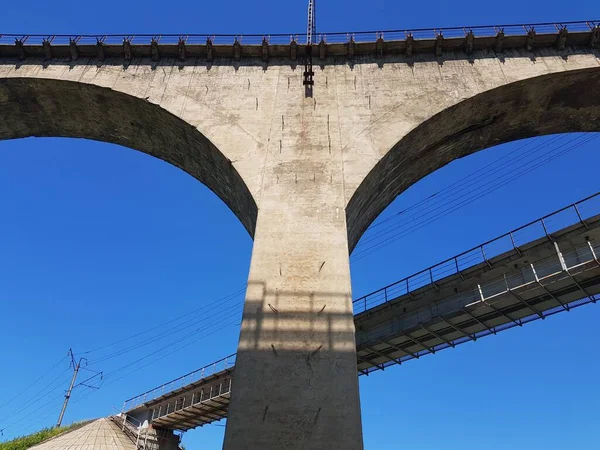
{"points": [[420, 224], [180, 328], [457, 183], [221, 318], [110, 375], [461, 185], [226, 318], [44, 392], [583, 139], [186, 315], [231, 322], [34, 383], [31, 413]]}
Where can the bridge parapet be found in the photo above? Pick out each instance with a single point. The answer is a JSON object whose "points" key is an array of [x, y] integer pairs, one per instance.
{"points": [[195, 405], [197, 377], [291, 46], [183, 403]]}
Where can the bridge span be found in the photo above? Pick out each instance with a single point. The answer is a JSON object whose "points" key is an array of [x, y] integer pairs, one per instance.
{"points": [[540, 269]]}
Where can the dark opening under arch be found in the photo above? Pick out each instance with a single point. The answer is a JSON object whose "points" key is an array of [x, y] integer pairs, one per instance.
{"points": [[33, 107], [557, 103]]}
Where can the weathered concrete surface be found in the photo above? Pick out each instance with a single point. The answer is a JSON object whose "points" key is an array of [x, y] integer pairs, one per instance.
{"points": [[100, 434], [42, 107], [527, 98], [301, 169]]}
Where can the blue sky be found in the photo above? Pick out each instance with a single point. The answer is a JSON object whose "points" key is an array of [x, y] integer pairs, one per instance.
{"points": [[100, 242]]}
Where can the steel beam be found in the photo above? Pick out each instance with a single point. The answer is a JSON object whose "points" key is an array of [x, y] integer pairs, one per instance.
{"points": [[437, 335]]}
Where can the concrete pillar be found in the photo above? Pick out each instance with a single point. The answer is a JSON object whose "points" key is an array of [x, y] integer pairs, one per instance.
{"points": [[158, 439], [295, 384]]}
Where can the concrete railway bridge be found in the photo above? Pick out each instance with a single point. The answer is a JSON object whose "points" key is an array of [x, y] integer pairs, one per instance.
{"points": [[306, 169]]}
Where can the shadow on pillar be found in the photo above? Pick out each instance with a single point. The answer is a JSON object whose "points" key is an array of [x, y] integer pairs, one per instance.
{"points": [[295, 383]]}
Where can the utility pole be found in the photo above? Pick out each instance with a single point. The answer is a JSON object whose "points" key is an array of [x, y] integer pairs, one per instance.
{"points": [[68, 394], [76, 368]]}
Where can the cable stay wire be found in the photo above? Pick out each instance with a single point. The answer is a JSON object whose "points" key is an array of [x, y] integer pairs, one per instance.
{"points": [[450, 187], [460, 185], [33, 383], [370, 250], [186, 315], [217, 314]]}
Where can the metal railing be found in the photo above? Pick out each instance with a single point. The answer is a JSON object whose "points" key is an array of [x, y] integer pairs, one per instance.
{"points": [[544, 227], [197, 375], [203, 395], [557, 266], [286, 38], [131, 427]]}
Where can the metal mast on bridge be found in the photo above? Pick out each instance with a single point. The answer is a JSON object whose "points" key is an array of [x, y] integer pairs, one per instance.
{"points": [[311, 31]]}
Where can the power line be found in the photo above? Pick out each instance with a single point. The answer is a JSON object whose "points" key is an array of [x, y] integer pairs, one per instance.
{"points": [[31, 413], [448, 188], [180, 327], [34, 383], [370, 250], [447, 211], [431, 211], [141, 333], [38, 395], [460, 185], [173, 351], [170, 344], [110, 375]]}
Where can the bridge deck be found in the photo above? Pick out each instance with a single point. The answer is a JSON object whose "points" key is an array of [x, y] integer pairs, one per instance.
{"points": [[291, 46], [412, 317], [485, 299]]}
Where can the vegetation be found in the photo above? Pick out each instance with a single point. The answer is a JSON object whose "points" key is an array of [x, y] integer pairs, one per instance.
{"points": [[25, 442]]}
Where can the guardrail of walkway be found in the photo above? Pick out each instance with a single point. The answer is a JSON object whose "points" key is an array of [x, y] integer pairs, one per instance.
{"points": [[170, 386], [212, 392], [544, 227], [286, 38]]}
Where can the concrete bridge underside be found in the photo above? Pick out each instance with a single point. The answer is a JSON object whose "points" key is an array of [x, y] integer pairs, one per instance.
{"points": [[305, 175]]}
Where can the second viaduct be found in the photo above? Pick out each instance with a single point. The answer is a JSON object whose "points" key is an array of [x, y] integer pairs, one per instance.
{"points": [[306, 175]]}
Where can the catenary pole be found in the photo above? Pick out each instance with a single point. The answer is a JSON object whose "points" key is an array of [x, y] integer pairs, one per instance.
{"points": [[68, 393]]}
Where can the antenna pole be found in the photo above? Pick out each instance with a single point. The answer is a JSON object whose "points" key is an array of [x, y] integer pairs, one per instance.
{"points": [[311, 31]]}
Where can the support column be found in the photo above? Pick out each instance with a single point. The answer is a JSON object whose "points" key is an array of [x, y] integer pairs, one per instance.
{"points": [[295, 384]]}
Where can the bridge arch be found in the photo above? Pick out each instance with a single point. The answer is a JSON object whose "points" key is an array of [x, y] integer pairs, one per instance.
{"points": [[39, 107], [555, 103]]}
